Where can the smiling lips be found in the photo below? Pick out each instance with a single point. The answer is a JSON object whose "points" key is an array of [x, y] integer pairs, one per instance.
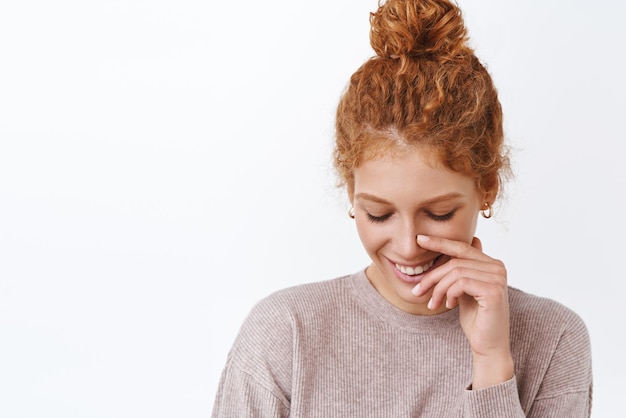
{"points": [[413, 271]]}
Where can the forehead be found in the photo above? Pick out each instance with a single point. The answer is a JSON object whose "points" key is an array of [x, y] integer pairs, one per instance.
{"points": [[411, 173]]}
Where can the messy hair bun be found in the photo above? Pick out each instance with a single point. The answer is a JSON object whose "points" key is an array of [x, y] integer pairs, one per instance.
{"points": [[424, 86], [413, 28]]}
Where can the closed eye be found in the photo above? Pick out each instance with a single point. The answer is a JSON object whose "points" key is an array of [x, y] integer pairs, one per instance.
{"points": [[378, 219], [441, 218]]}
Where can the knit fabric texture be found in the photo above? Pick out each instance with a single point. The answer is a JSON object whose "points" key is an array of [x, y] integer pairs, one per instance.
{"points": [[339, 349]]}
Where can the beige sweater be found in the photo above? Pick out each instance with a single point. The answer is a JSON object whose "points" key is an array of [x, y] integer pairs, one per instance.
{"points": [[338, 349]]}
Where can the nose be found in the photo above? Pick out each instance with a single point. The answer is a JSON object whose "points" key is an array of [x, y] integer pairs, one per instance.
{"points": [[406, 240]]}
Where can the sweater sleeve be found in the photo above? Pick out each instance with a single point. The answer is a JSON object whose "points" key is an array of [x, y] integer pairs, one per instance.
{"points": [[256, 381], [240, 395], [496, 401]]}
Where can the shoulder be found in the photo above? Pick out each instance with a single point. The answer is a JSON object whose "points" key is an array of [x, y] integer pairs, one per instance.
{"points": [[305, 299], [275, 318], [535, 314], [264, 345], [545, 322]]}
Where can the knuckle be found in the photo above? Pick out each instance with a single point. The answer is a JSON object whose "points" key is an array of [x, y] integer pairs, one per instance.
{"points": [[463, 281], [466, 250], [500, 264], [453, 263], [500, 268], [462, 273]]}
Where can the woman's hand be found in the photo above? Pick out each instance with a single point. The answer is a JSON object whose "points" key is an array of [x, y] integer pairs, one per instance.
{"points": [[477, 283]]}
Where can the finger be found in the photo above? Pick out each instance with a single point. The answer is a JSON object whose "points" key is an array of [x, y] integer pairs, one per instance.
{"points": [[452, 248], [476, 243], [462, 279], [434, 276], [486, 294]]}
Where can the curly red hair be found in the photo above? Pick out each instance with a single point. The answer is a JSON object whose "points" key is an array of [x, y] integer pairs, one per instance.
{"points": [[425, 86]]}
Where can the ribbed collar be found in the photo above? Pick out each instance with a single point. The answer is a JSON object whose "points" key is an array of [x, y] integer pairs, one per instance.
{"points": [[378, 306]]}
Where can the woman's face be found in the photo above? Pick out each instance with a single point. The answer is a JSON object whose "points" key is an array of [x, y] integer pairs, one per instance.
{"points": [[396, 198]]}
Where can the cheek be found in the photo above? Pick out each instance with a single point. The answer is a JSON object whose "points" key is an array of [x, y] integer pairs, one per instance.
{"points": [[372, 236]]}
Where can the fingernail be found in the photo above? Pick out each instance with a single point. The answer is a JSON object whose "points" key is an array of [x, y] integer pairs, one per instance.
{"points": [[416, 290], [430, 304], [423, 237]]}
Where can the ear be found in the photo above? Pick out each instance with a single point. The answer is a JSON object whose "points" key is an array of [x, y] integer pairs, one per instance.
{"points": [[490, 195]]}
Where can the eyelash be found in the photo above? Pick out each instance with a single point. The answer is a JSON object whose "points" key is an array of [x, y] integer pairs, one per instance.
{"points": [[378, 219], [441, 218], [436, 218]]}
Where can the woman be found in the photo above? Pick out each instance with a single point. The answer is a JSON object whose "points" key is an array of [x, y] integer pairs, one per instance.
{"points": [[430, 328]]}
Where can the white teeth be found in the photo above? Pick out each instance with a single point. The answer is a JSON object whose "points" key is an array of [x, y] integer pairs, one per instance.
{"points": [[412, 271]]}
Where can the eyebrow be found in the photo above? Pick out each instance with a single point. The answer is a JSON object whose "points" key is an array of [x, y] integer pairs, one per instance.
{"points": [[432, 200]]}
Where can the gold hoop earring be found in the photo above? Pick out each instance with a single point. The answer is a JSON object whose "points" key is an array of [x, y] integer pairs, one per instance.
{"points": [[487, 212], [351, 212]]}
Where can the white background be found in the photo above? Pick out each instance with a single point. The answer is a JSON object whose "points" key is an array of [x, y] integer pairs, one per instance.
{"points": [[166, 164]]}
